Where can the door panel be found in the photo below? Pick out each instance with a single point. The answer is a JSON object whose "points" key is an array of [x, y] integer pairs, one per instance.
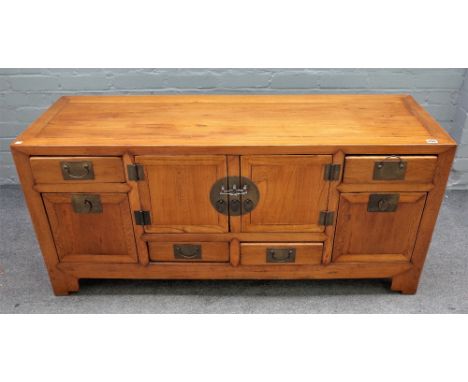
{"points": [[367, 236], [176, 191], [101, 235], [292, 192]]}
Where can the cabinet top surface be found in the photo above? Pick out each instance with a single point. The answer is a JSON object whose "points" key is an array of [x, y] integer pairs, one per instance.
{"points": [[234, 120]]}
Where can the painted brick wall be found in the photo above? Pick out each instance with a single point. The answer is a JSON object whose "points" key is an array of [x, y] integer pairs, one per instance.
{"points": [[459, 176], [26, 93]]}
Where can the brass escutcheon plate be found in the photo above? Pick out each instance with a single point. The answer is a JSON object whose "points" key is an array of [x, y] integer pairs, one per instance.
{"points": [[86, 203], [234, 195], [383, 202], [390, 170]]}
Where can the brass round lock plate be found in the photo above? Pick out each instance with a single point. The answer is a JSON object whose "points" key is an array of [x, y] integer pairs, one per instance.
{"points": [[234, 195]]}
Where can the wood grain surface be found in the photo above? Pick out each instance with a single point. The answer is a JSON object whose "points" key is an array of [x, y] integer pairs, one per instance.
{"points": [[234, 120]]}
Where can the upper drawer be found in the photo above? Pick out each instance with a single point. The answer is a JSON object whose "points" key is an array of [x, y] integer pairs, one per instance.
{"points": [[385, 169], [77, 169]]}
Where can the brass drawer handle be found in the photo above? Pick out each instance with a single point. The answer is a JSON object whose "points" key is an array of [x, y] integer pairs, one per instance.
{"points": [[401, 163], [77, 170], [390, 170], [187, 251], [86, 203], [281, 255]]}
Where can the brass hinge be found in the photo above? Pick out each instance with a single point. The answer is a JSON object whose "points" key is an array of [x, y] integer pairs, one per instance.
{"points": [[135, 172], [142, 217], [332, 172], [326, 218]]}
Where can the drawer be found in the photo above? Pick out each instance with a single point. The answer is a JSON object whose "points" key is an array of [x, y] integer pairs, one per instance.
{"points": [[197, 251], [77, 169], [281, 253], [385, 169]]}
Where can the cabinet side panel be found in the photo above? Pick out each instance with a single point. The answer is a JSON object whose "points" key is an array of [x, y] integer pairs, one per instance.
{"points": [[408, 282], [61, 283]]}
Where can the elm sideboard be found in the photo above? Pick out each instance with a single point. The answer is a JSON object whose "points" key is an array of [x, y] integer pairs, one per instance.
{"points": [[234, 187]]}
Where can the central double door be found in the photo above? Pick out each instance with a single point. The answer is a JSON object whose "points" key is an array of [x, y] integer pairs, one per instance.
{"points": [[178, 192]]}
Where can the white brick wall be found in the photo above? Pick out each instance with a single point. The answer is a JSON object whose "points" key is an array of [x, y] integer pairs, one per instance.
{"points": [[26, 93]]}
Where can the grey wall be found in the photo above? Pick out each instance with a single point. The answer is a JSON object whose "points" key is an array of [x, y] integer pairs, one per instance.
{"points": [[459, 176], [26, 93]]}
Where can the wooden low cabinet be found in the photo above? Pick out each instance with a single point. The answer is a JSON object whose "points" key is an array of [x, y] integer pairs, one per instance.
{"points": [[234, 187]]}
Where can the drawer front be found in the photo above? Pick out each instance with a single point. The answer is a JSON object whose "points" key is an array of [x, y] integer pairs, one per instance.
{"points": [[77, 169], [193, 252], [385, 169], [281, 253]]}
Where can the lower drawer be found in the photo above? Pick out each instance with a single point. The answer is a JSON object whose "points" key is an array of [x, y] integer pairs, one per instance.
{"points": [[281, 253], [196, 252]]}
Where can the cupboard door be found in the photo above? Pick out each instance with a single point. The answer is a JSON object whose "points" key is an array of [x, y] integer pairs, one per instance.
{"points": [[93, 227], [176, 191], [292, 192], [366, 235]]}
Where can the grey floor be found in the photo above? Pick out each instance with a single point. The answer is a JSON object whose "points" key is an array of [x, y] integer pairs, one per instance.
{"points": [[24, 285]]}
